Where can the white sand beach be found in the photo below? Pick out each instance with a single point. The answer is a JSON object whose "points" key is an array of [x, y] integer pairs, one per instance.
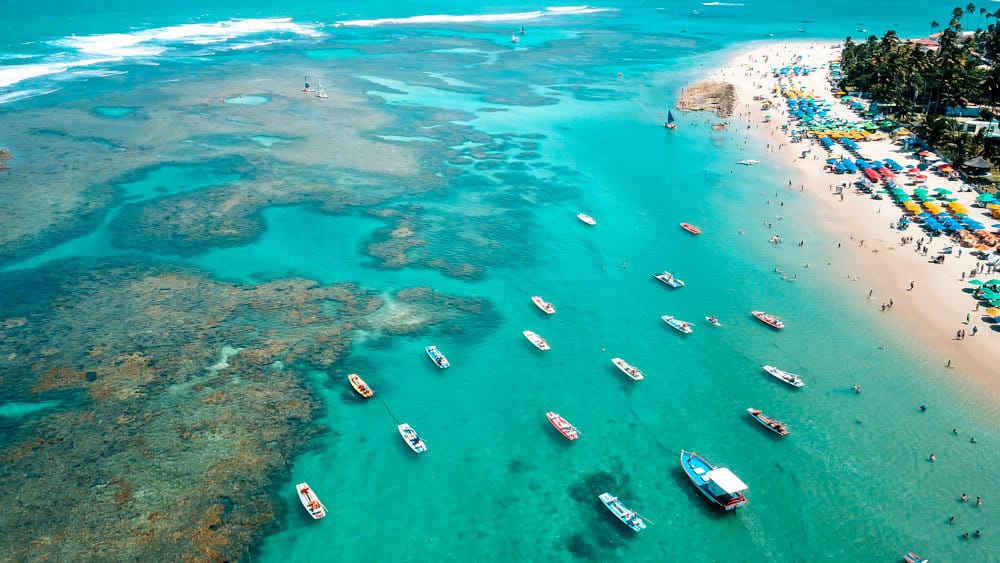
{"points": [[936, 308]]}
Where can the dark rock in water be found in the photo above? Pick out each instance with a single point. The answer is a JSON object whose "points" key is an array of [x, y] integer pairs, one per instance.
{"points": [[4, 159], [719, 97]]}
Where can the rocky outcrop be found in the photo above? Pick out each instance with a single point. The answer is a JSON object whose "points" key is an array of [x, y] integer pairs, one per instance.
{"points": [[719, 97]]}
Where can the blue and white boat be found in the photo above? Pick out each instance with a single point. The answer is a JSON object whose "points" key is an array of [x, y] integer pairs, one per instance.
{"points": [[631, 518], [437, 357], [411, 438], [669, 279], [718, 484], [683, 327]]}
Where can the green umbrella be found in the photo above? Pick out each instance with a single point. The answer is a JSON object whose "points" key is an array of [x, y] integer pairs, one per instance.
{"points": [[993, 282], [942, 191], [976, 282]]}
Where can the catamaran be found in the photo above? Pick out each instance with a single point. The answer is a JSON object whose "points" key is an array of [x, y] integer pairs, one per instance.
{"points": [[437, 357], [767, 422], [628, 369], [360, 386], [786, 376], [410, 437], [669, 279], [544, 305], [683, 327], [718, 484], [630, 518], [769, 320], [586, 219], [563, 426], [538, 341], [310, 501]]}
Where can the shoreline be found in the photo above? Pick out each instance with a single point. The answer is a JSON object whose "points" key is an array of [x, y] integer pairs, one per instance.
{"points": [[937, 306]]}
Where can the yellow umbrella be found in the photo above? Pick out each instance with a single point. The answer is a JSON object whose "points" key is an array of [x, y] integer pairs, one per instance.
{"points": [[993, 312]]}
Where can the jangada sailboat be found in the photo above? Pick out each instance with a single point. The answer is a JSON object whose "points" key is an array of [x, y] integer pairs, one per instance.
{"points": [[322, 91], [307, 87], [669, 123]]}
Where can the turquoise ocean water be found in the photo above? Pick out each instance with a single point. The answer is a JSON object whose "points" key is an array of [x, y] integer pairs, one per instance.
{"points": [[851, 483]]}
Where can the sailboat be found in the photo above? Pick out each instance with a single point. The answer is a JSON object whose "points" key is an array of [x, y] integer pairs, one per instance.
{"points": [[322, 91], [307, 88], [514, 38], [669, 123]]}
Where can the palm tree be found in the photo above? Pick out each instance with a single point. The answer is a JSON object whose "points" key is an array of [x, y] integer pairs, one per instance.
{"points": [[970, 9], [982, 12]]}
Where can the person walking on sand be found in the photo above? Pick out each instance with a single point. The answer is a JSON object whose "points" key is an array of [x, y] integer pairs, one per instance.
{"points": [[912, 283]]}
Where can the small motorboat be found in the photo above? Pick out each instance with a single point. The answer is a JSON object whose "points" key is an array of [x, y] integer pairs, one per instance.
{"points": [[718, 484], [691, 228], [714, 321], [586, 219], [747, 161], [788, 377], [437, 357], [913, 558], [538, 341], [360, 386], [544, 305], [770, 320], [411, 438], [563, 426], [310, 501], [683, 327], [669, 279], [630, 518], [628, 369], [767, 422]]}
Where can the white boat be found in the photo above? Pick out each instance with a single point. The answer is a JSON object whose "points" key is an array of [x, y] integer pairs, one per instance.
{"points": [[310, 501], [669, 279], [586, 219], [437, 357], [411, 438], [514, 38], [786, 376], [747, 161], [679, 325], [322, 91], [544, 305], [628, 369], [307, 87], [538, 341], [630, 518], [713, 321]]}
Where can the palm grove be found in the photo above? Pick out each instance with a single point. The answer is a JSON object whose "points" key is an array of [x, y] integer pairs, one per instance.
{"points": [[920, 84]]}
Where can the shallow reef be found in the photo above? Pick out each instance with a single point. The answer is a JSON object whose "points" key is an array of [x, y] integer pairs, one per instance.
{"points": [[181, 401]]}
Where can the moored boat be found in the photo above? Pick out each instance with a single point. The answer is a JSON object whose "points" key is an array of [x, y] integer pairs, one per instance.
{"points": [[563, 426], [718, 484], [538, 341], [691, 228], [683, 327], [786, 376], [630, 518], [769, 320], [767, 422], [628, 369], [713, 320], [411, 438], [913, 558], [747, 161], [669, 279], [310, 501], [586, 219], [360, 386], [437, 357], [544, 305]]}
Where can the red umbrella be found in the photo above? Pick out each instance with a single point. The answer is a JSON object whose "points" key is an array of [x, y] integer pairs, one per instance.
{"points": [[914, 170]]}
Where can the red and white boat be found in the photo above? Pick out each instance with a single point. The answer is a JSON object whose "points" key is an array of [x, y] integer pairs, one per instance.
{"points": [[628, 369], [544, 305], [360, 386], [586, 219], [691, 228], [310, 501], [769, 320], [563, 426], [538, 341]]}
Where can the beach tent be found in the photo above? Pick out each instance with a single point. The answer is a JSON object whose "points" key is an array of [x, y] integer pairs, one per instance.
{"points": [[978, 162]]}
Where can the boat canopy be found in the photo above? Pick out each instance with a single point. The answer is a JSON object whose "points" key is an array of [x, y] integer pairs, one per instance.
{"points": [[725, 481]]}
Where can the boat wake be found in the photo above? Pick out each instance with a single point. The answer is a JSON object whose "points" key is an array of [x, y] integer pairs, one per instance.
{"points": [[479, 18], [76, 51]]}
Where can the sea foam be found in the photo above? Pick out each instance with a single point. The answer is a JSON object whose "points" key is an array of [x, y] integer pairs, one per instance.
{"points": [[479, 18]]}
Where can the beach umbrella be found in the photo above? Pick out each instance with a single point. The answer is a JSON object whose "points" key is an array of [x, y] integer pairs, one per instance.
{"points": [[993, 282], [993, 312], [975, 282], [978, 162], [942, 191]]}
